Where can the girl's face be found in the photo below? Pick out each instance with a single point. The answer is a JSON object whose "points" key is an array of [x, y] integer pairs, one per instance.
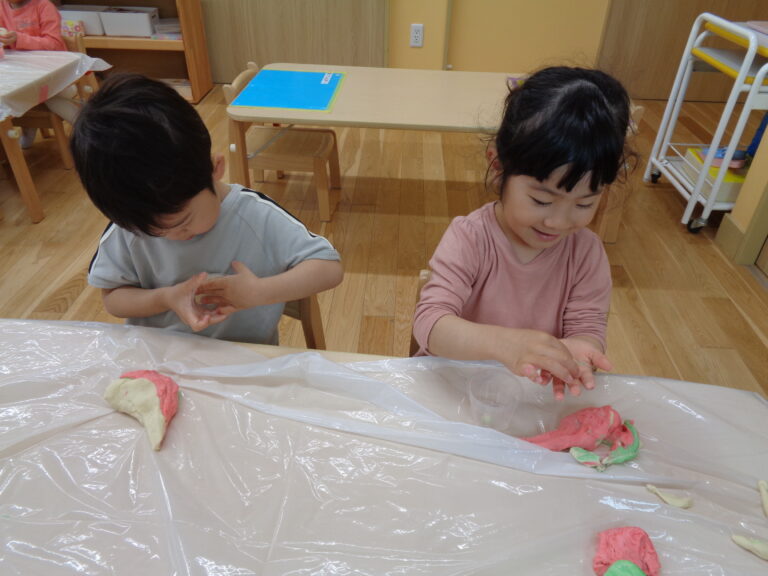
{"points": [[537, 215]]}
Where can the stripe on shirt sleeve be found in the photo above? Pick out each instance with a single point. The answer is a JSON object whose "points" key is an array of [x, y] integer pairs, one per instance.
{"points": [[104, 235]]}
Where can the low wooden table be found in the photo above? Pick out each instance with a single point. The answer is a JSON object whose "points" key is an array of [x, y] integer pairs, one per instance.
{"points": [[395, 98]]}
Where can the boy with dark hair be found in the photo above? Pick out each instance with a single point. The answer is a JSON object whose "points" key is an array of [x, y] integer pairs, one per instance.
{"points": [[144, 156]]}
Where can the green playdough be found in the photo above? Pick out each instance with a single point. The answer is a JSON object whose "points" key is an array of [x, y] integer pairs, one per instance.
{"points": [[617, 456], [624, 568]]}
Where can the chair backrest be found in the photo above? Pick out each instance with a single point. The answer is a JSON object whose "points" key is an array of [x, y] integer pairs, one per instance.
{"points": [[307, 311], [74, 43], [240, 82], [87, 85], [423, 279]]}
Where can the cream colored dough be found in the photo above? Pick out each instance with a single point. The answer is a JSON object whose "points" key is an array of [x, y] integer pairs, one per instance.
{"points": [[671, 499], [762, 485], [137, 397], [758, 547]]}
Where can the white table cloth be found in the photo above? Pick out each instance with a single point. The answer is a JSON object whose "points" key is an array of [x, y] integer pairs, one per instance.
{"points": [[298, 465], [28, 78]]}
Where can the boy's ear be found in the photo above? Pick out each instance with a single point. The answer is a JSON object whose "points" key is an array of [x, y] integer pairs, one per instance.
{"points": [[218, 166]]}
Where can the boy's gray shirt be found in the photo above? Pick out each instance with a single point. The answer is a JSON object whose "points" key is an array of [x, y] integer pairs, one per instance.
{"points": [[251, 229]]}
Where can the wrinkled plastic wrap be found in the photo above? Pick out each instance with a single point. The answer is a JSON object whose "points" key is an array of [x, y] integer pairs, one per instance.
{"points": [[29, 77], [298, 465]]}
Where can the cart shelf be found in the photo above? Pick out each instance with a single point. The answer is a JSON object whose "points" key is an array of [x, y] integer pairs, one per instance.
{"points": [[747, 65]]}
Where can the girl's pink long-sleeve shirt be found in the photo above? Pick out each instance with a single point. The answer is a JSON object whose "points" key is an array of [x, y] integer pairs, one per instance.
{"points": [[476, 275], [37, 25]]}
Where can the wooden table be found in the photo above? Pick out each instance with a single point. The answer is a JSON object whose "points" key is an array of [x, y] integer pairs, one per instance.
{"points": [[28, 78], [396, 98]]}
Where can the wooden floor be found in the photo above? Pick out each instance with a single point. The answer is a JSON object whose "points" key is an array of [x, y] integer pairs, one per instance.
{"points": [[680, 309]]}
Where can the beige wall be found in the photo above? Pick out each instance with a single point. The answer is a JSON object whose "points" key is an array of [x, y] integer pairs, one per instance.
{"points": [[497, 35]]}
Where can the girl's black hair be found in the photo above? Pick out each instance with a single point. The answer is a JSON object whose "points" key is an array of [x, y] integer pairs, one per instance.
{"points": [[565, 116], [141, 151]]}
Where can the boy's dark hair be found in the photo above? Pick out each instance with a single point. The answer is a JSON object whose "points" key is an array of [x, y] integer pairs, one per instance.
{"points": [[565, 116], [141, 151]]}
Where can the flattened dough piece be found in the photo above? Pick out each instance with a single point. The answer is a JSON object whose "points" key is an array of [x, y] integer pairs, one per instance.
{"points": [[671, 499], [149, 397], [762, 486], [758, 547]]}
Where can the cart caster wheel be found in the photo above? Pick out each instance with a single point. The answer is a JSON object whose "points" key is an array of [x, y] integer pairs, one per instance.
{"points": [[655, 177], [695, 225]]}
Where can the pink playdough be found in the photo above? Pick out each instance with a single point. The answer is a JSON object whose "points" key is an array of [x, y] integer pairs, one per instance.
{"points": [[587, 428], [167, 390], [626, 543]]}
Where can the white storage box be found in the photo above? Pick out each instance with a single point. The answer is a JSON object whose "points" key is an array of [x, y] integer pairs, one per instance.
{"points": [[129, 21], [88, 15]]}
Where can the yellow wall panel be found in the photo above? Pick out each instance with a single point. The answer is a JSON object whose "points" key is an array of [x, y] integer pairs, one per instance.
{"points": [[433, 14], [520, 35]]}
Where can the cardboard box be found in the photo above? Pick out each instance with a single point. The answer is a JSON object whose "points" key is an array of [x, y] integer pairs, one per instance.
{"points": [[88, 15], [129, 21], [732, 182]]}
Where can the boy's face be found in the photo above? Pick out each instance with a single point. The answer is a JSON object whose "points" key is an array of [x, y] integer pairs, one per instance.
{"points": [[197, 217]]}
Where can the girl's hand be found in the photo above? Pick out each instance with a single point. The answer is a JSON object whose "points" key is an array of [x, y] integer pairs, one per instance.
{"points": [[237, 291], [181, 299], [539, 357], [589, 358]]}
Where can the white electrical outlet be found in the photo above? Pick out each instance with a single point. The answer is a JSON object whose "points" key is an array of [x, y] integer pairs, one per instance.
{"points": [[417, 35]]}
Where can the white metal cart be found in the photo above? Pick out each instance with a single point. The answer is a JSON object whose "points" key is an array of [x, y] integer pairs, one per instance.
{"points": [[747, 64]]}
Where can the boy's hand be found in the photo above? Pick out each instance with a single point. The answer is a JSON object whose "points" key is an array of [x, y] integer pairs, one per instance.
{"points": [[237, 291], [181, 300]]}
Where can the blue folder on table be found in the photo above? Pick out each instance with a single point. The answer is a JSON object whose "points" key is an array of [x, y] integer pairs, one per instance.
{"points": [[291, 89]]}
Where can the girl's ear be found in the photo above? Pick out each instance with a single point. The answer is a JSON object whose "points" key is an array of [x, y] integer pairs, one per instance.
{"points": [[493, 159]]}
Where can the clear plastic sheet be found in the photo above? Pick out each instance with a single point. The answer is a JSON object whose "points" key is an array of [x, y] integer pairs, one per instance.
{"points": [[28, 77], [298, 465]]}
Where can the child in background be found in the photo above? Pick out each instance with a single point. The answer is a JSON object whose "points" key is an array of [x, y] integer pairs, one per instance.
{"points": [[144, 156], [522, 280], [36, 25]]}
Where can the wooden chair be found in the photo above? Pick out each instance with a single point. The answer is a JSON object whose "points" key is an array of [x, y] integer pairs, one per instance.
{"points": [[307, 311], [46, 121], [423, 279], [291, 149], [86, 85]]}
